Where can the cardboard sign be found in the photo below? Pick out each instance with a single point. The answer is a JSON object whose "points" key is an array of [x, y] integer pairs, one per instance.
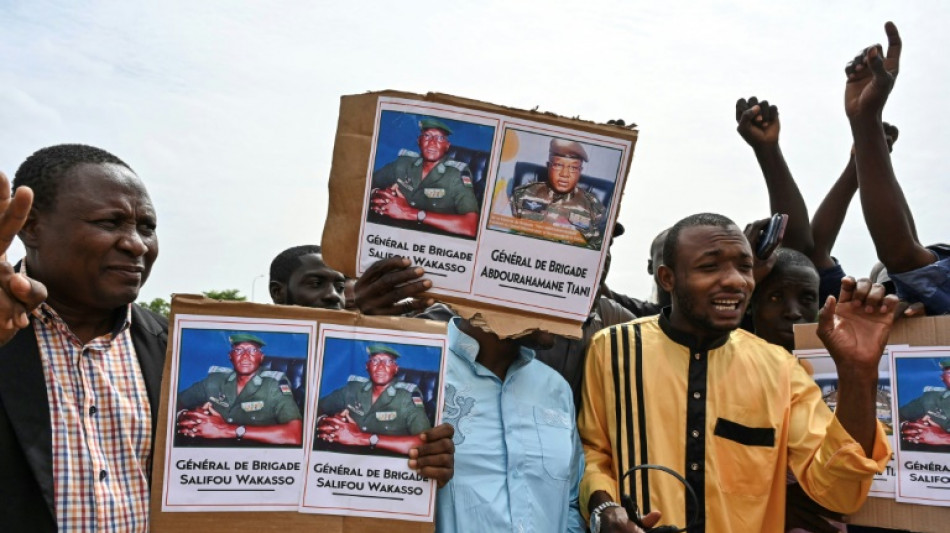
{"points": [[509, 212], [882, 512], [233, 457]]}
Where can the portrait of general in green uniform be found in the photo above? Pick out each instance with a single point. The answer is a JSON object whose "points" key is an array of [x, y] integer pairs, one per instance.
{"points": [[925, 418], [429, 173], [378, 410], [557, 189], [228, 398]]}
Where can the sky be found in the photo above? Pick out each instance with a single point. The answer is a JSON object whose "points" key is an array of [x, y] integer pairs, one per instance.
{"points": [[227, 110]]}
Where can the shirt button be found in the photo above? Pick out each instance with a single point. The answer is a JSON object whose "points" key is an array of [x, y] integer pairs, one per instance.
{"points": [[694, 467], [102, 475], [697, 356], [694, 433], [230, 420], [697, 395], [93, 410]]}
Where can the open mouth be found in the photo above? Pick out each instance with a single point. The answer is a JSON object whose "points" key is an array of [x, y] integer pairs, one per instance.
{"points": [[727, 305]]}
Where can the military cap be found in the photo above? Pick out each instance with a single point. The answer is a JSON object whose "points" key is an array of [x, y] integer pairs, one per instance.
{"points": [[945, 364], [565, 148], [238, 338], [381, 348], [428, 123]]}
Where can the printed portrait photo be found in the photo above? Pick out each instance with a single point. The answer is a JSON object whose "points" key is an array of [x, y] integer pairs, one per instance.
{"points": [[375, 398], [554, 188], [923, 399], [429, 173], [240, 388]]}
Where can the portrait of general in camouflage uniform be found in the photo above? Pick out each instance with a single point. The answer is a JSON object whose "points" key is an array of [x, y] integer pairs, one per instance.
{"points": [[558, 200], [427, 189], [241, 402], [373, 411]]}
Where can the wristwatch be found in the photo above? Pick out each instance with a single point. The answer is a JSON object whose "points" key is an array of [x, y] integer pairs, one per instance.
{"points": [[374, 438], [595, 515], [239, 432], [421, 216]]}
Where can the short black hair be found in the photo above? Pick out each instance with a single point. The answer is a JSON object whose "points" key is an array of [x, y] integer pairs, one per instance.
{"points": [[671, 245], [43, 171], [786, 258], [289, 260]]}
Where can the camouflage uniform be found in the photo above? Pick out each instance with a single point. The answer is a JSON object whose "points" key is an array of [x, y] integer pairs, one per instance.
{"points": [[577, 209], [266, 400], [934, 402], [446, 189], [397, 411]]}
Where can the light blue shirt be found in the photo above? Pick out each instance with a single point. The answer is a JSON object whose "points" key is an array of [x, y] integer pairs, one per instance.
{"points": [[518, 457]]}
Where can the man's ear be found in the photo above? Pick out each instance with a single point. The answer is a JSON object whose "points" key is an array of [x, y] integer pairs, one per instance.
{"points": [[666, 277], [29, 233], [278, 292]]}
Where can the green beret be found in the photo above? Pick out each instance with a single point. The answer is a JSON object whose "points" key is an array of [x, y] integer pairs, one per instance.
{"points": [[373, 349], [238, 338], [945, 363], [429, 123], [565, 148]]}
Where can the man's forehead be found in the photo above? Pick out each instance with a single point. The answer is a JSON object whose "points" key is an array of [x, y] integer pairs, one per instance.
{"points": [[100, 184], [708, 239], [313, 264], [434, 131]]}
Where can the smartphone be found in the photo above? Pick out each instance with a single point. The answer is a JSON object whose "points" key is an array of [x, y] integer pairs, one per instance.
{"points": [[771, 236]]}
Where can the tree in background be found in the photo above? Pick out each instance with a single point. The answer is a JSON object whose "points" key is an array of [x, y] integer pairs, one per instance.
{"points": [[158, 305], [233, 295], [163, 307]]}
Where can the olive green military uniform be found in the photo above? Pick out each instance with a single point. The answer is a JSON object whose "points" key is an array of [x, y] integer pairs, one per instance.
{"points": [[934, 402], [398, 410], [446, 189], [267, 398], [577, 209]]}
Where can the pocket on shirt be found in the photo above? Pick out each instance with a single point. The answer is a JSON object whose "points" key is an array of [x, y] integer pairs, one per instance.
{"points": [[745, 457], [554, 433]]}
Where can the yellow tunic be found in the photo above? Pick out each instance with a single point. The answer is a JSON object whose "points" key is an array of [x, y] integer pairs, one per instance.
{"points": [[732, 417]]}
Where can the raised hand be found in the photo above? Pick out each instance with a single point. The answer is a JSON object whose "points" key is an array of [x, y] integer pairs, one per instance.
{"points": [[871, 76], [757, 121], [854, 328], [19, 295]]}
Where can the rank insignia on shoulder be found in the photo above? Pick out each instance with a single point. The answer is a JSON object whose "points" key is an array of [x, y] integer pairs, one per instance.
{"points": [[417, 400], [466, 180], [250, 407], [407, 153], [285, 388]]}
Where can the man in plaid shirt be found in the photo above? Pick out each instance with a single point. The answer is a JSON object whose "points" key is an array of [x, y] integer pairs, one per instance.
{"points": [[80, 372]]}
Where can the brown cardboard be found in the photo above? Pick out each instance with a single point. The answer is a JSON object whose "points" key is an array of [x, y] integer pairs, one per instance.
{"points": [[348, 176], [883, 512], [208, 522]]}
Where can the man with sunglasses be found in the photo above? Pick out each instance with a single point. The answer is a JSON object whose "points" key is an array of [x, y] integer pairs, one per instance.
{"points": [[427, 188], [243, 403], [375, 411]]}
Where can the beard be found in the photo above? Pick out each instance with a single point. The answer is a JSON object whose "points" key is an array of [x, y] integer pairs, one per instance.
{"points": [[686, 306]]}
